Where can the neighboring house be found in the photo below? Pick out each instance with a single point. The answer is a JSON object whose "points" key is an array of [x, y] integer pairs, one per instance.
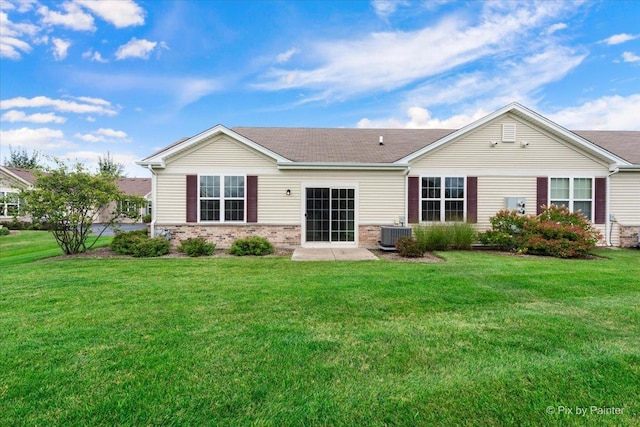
{"points": [[12, 180], [337, 187], [140, 187]]}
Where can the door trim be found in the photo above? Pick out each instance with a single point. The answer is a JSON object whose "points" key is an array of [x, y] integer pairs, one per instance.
{"points": [[303, 209]]}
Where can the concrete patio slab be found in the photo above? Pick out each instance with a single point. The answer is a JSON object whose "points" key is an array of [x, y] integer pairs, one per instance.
{"points": [[332, 254]]}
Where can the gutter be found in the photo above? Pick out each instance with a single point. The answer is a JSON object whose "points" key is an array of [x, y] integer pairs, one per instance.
{"points": [[342, 166], [608, 228]]}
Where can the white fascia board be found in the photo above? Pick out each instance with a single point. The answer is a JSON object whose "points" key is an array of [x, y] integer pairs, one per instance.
{"points": [[532, 116], [159, 159], [342, 166]]}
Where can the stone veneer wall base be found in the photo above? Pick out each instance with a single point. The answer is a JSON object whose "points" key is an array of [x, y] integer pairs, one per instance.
{"points": [[285, 236]]}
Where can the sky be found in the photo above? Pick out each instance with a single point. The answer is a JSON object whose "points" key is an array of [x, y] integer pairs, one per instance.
{"points": [[80, 78]]}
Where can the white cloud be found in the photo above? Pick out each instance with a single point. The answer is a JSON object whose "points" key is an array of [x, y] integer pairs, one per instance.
{"points": [[120, 13], [104, 135], [511, 81], [74, 18], [630, 57], [20, 5], [39, 139], [606, 113], [390, 60], [620, 38], [94, 56], [421, 118], [60, 48], [12, 43], [136, 49], [20, 116], [385, 8], [556, 27], [184, 90], [60, 105], [10, 47], [285, 56]]}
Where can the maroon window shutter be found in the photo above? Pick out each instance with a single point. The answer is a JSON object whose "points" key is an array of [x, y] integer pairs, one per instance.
{"points": [[600, 211], [542, 184], [472, 199], [252, 198], [414, 200], [192, 198]]}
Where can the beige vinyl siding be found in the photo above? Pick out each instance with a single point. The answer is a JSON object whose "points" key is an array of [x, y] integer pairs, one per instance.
{"points": [[474, 155], [380, 194], [492, 191], [625, 201], [274, 206], [219, 153], [171, 202]]}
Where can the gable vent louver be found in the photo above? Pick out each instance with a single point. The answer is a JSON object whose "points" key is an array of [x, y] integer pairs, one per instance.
{"points": [[508, 132]]}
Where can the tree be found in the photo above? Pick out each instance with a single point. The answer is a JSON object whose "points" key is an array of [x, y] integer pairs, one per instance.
{"points": [[69, 199], [108, 166], [20, 158]]}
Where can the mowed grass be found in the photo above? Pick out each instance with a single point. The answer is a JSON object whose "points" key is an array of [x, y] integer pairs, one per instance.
{"points": [[481, 339], [28, 246]]}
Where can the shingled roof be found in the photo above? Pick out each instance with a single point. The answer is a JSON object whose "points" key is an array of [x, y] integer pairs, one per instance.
{"points": [[362, 145], [342, 145], [623, 143]]}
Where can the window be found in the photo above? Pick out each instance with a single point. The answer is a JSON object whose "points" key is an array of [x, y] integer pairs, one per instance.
{"points": [[222, 198], [128, 207], [442, 199], [9, 203], [574, 193]]}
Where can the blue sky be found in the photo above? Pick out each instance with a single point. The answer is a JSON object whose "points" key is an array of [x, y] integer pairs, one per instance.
{"points": [[82, 77]]}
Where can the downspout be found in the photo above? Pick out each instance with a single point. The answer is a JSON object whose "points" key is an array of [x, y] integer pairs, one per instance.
{"points": [[406, 197], [154, 197], [608, 227]]}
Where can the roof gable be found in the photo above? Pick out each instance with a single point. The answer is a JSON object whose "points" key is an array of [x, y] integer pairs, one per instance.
{"points": [[23, 176], [158, 159], [531, 117]]}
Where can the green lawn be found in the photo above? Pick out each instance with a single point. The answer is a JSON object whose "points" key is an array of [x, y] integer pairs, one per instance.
{"points": [[481, 339]]}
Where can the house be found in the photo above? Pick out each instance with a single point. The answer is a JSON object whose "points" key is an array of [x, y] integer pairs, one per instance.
{"points": [[12, 180], [337, 187]]}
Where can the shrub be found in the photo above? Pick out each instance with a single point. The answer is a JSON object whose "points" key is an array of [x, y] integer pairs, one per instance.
{"points": [[409, 247], [197, 246], [146, 218], [4, 231], [146, 247], [556, 232], [138, 244], [122, 243], [443, 237], [254, 245], [507, 228], [464, 235]]}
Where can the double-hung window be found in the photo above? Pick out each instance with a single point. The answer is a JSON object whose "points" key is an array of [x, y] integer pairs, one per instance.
{"points": [[222, 198], [442, 198], [9, 203], [574, 193]]}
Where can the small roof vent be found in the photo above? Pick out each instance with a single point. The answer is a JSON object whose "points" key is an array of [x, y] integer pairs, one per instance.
{"points": [[508, 132], [381, 141]]}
